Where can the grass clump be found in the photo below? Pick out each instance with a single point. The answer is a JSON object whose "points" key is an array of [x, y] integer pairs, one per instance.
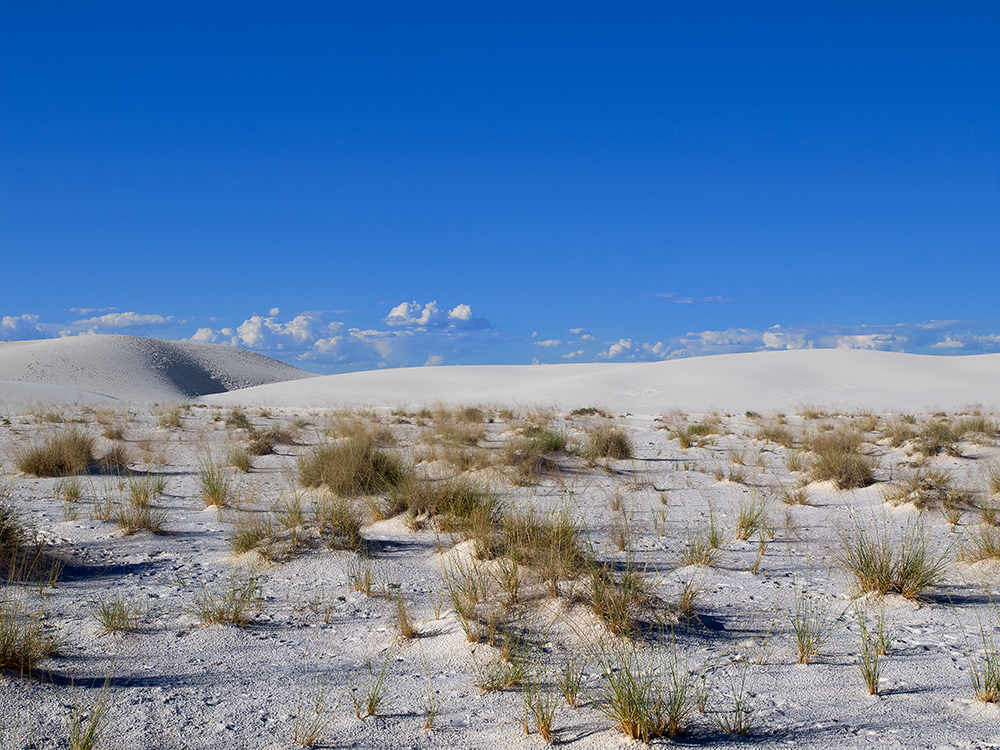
{"points": [[240, 458], [645, 701], [812, 624], [983, 544], [236, 605], [116, 613], [530, 455], [455, 504], [880, 564], [352, 466], [132, 518], [23, 641], [238, 419], [608, 441], [171, 419], [839, 459], [619, 598], [775, 433], [340, 520], [61, 454], [215, 483], [252, 531]]}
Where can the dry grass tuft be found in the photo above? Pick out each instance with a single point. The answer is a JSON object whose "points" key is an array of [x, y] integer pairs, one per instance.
{"points": [[839, 459], [59, 455], [352, 466], [608, 441]]}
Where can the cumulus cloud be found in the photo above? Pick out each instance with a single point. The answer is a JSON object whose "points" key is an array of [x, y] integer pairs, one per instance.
{"points": [[619, 349], [548, 343], [22, 328], [574, 355], [938, 336], [259, 332], [413, 315], [116, 321]]}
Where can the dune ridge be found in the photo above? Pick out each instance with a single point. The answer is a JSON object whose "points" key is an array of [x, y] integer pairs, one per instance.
{"points": [[732, 382], [130, 368]]}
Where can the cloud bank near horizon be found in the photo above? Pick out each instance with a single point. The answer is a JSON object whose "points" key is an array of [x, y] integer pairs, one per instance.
{"points": [[414, 334]]}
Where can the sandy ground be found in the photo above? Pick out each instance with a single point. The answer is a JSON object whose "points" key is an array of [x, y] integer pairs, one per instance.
{"points": [[314, 643], [175, 682]]}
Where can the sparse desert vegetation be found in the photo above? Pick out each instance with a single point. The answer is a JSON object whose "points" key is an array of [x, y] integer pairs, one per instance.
{"points": [[577, 577]]}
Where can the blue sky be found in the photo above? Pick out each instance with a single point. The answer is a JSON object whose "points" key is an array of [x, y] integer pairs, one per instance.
{"points": [[358, 185]]}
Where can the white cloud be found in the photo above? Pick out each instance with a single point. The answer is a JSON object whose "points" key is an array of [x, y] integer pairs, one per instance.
{"points": [[574, 355], [258, 332], [205, 336], [413, 315], [578, 331], [434, 360], [616, 350], [274, 311], [548, 343], [21, 328], [116, 321]]}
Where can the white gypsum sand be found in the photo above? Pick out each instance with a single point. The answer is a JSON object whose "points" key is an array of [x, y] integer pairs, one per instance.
{"points": [[319, 622]]}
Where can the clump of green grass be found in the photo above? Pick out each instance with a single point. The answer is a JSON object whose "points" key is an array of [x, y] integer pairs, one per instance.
{"points": [[70, 490], [839, 459], [940, 437], [776, 433], [985, 671], [752, 517], [352, 466], [531, 454], [117, 460], [114, 431], [870, 661], [132, 518], [645, 701], [741, 719], [619, 598], [239, 458], [907, 565], [898, 432], [23, 640], [171, 419], [456, 504], [694, 434], [539, 709], [263, 442], [340, 519], [143, 488], [812, 623], [608, 441], [236, 605], [252, 531], [238, 419], [982, 544], [85, 728], [116, 613], [61, 454], [552, 546], [215, 483]]}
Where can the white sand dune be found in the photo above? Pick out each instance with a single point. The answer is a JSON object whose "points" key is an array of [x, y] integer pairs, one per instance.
{"points": [[732, 382], [87, 369], [92, 368]]}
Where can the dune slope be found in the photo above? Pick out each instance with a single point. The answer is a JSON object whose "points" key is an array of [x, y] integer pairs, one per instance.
{"points": [[732, 382], [130, 368]]}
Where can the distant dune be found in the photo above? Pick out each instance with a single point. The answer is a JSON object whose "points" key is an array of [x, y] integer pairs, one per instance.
{"points": [[731, 382], [92, 368], [87, 369]]}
